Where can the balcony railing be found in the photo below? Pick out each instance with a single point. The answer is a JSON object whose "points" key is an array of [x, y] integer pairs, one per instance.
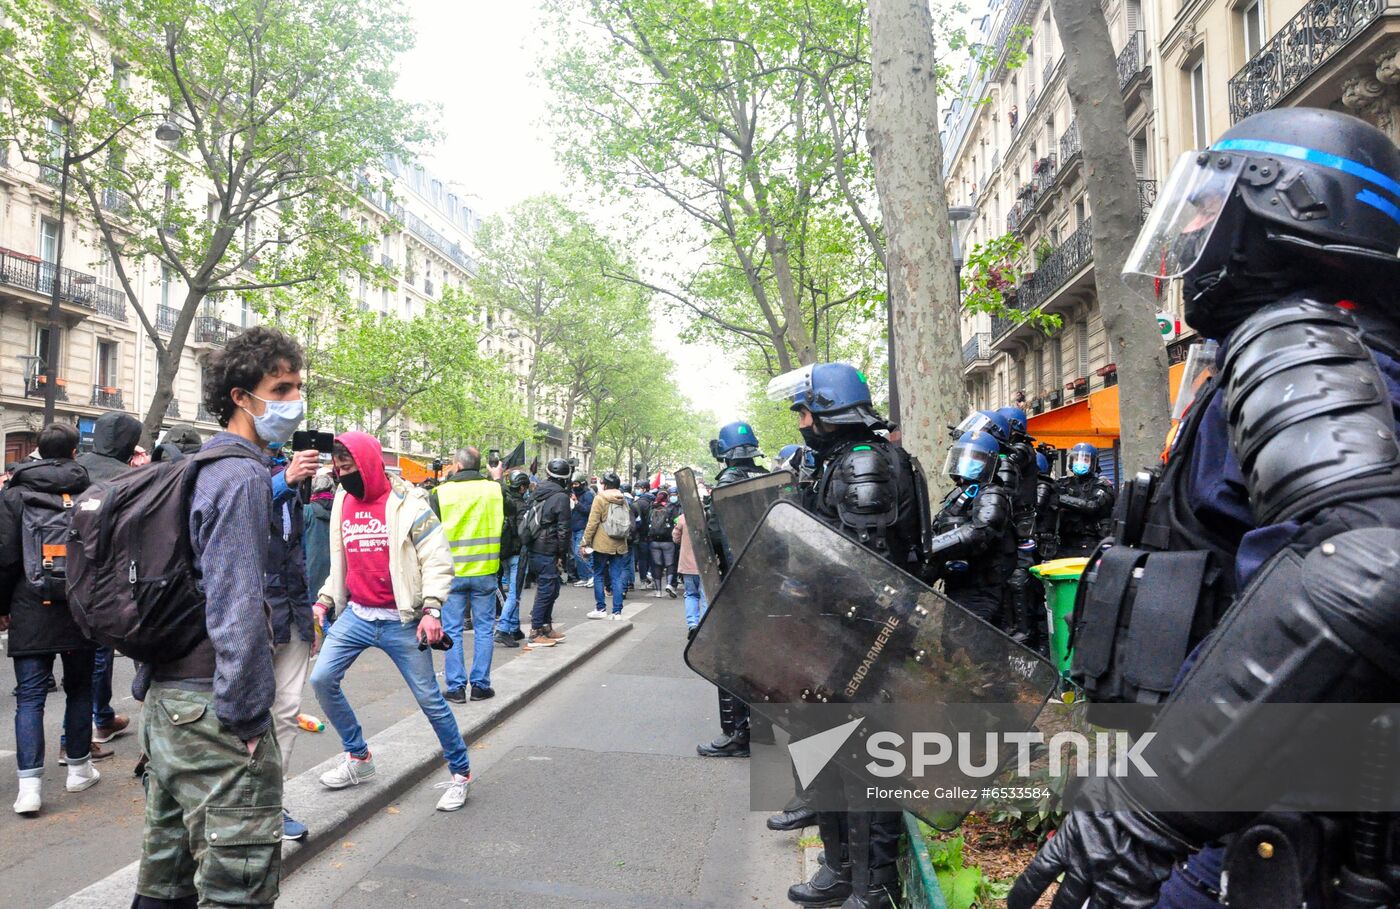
{"points": [[116, 202], [1295, 52], [172, 409], [27, 273], [110, 302], [1147, 197], [34, 386], [204, 416], [1061, 265], [1049, 71], [1132, 60], [425, 232], [209, 330], [1069, 144], [166, 317], [1002, 325], [50, 176], [1016, 217], [978, 347], [107, 396]]}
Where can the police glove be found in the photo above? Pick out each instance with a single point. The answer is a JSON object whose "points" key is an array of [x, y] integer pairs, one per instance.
{"points": [[1114, 860]]}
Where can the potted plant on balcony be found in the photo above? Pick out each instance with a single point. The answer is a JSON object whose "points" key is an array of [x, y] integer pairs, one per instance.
{"points": [[1025, 191], [1043, 251], [1079, 386], [1109, 374], [1054, 398]]}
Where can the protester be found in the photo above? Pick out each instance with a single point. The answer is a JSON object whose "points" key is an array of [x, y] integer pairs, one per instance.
{"points": [[472, 509], [660, 522], [391, 571], [293, 634], [37, 504], [214, 766], [517, 490], [114, 438], [316, 538], [695, 603], [642, 546], [547, 549], [605, 537], [182, 439], [578, 520]]}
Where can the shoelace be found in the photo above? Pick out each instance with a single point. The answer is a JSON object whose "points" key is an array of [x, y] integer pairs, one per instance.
{"points": [[450, 783]]}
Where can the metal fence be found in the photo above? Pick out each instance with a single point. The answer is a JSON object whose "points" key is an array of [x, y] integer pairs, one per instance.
{"points": [[1132, 59]]}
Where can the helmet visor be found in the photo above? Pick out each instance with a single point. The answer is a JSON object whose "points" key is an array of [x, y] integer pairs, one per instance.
{"points": [[794, 387], [967, 462], [1200, 366], [1081, 463], [977, 421], [1184, 217]]}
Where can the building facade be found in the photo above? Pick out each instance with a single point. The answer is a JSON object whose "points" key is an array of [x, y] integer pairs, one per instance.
{"points": [[1187, 71]]}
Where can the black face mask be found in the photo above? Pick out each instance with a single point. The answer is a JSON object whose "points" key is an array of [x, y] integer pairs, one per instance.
{"points": [[811, 438], [353, 484]]}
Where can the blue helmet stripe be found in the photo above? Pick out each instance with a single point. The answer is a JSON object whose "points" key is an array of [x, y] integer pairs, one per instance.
{"points": [[1377, 201], [1313, 156]]}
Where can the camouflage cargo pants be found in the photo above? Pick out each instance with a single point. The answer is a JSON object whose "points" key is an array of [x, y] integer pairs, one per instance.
{"points": [[213, 811]]}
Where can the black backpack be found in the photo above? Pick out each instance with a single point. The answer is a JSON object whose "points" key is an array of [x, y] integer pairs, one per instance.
{"points": [[659, 524], [44, 527], [132, 582]]}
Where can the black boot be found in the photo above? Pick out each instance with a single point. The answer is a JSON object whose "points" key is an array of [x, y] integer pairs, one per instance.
{"points": [[795, 819], [828, 887], [726, 745], [881, 893]]}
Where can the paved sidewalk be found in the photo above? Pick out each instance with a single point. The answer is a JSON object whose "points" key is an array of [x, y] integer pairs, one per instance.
{"points": [[591, 798]]}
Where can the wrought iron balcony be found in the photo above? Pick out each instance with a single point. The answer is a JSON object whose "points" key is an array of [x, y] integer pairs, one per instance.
{"points": [[30, 274], [116, 202], [172, 409], [204, 416], [1069, 144], [209, 330], [107, 396], [1132, 60], [1016, 217], [50, 176], [1002, 325], [1061, 265], [110, 302], [34, 386], [1147, 197], [1296, 51], [978, 347], [1049, 71], [166, 317]]}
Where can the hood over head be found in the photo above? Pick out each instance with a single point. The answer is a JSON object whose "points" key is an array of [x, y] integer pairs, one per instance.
{"points": [[184, 437], [369, 457], [115, 436], [51, 475]]}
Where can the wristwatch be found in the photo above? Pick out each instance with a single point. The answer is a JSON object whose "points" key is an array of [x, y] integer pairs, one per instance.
{"points": [[433, 611]]}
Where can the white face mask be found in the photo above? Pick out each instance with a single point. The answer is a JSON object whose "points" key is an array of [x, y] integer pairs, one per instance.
{"points": [[278, 420]]}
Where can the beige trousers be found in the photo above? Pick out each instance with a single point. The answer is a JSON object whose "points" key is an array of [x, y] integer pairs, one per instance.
{"points": [[291, 664]]}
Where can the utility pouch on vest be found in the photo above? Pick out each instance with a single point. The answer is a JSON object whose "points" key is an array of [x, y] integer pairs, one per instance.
{"points": [[1280, 860], [1137, 618]]}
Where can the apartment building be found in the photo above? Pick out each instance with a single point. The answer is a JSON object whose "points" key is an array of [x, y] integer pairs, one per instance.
{"points": [[1187, 70]]}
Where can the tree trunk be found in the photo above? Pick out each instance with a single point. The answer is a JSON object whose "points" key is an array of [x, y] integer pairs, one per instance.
{"points": [[1144, 413], [908, 162], [168, 367]]}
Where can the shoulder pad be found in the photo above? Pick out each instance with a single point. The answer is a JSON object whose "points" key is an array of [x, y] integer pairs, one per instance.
{"points": [[1308, 410]]}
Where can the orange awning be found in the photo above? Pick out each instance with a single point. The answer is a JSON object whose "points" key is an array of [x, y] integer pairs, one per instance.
{"points": [[1093, 420], [414, 472]]}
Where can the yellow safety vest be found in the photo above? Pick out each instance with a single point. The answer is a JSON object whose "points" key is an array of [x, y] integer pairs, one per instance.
{"points": [[473, 514]]}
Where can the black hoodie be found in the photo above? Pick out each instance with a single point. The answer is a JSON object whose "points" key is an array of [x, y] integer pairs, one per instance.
{"points": [[114, 440], [34, 628]]}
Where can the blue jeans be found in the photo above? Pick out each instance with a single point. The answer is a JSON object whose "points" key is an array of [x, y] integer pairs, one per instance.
{"points": [[695, 603], [481, 590], [546, 569], [348, 638], [102, 712], [32, 674], [509, 622], [609, 571], [582, 568]]}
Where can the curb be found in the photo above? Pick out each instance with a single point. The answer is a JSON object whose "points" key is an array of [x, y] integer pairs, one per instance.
{"points": [[405, 753]]}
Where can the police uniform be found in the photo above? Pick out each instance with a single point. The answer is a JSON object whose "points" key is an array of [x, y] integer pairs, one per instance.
{"points": [[1282, 488], [1085, 504]]}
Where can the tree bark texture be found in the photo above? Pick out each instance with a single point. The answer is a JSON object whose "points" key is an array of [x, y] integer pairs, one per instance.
{"points": [[1144, 413], [923, 285]]}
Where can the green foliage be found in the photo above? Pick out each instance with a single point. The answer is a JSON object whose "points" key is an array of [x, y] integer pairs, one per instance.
{"points": [[989, 279], [1043, 251], [964, 886]]}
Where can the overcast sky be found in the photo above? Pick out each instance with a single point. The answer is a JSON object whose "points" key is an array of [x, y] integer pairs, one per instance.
{"points": [[474, 59]]}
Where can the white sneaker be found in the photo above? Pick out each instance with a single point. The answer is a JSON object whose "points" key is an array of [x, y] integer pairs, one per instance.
{"points": [[598, 614], [350, 772], [619, 617], [82, 776], [456, 795], [30, 798]]}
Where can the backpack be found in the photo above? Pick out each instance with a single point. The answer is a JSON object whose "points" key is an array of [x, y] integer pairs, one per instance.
{"points": [[531, 523], [618, 521], [659, 524], [132, 581], [44, 527]]}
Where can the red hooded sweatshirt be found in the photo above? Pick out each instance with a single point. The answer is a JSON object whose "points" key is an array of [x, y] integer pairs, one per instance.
{"points": [[364, 532]]}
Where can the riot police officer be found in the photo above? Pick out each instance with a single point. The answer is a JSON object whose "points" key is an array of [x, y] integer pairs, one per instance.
{"points": [[736, 448], [1023, 621], [1086, 500], [1047, 507], [1285, 234], [973, 534], [872, 491]]}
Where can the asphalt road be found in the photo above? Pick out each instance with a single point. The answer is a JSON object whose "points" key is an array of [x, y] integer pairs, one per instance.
{"points": [[80, 838], [591, 798]]}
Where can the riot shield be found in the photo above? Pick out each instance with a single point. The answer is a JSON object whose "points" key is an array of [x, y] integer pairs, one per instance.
{"points": [[697, 524], [740, 506], [807, 616]]}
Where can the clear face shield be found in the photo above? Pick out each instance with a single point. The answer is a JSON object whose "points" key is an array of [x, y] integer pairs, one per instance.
{"points": [[1081, 463], [790, 385], [975, 422], [1200, 366], [1182, 221], [969, 463]]}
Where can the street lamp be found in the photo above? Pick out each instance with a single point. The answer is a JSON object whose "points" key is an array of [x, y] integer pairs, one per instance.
{"points": [[960, 219]]}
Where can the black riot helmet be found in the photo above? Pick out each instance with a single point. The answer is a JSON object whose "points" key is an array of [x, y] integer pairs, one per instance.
{"points": [[559, 469], [519, 479], [611, 480], [1288, 199]]}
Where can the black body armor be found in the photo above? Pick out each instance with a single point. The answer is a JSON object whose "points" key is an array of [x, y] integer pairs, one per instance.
{"points": [[1085, 505]]}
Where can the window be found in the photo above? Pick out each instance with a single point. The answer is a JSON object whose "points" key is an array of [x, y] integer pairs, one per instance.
{"points": [[41, 347], [165, 285], [1199, 122], [107, 364], [1079, 213], [1082, 346], [48, 240], [245, 312], [1140, 155], [1251, 22], [1039, 372]]}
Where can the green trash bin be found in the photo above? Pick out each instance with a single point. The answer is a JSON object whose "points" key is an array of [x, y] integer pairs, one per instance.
{"points": [[1061, 580]]}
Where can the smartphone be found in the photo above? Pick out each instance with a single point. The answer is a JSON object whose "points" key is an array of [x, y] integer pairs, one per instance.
{"points": [[310, 439], [493, 457]]}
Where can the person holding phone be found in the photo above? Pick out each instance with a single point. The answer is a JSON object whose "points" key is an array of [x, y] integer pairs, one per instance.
{"points": [[390, 572]]}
